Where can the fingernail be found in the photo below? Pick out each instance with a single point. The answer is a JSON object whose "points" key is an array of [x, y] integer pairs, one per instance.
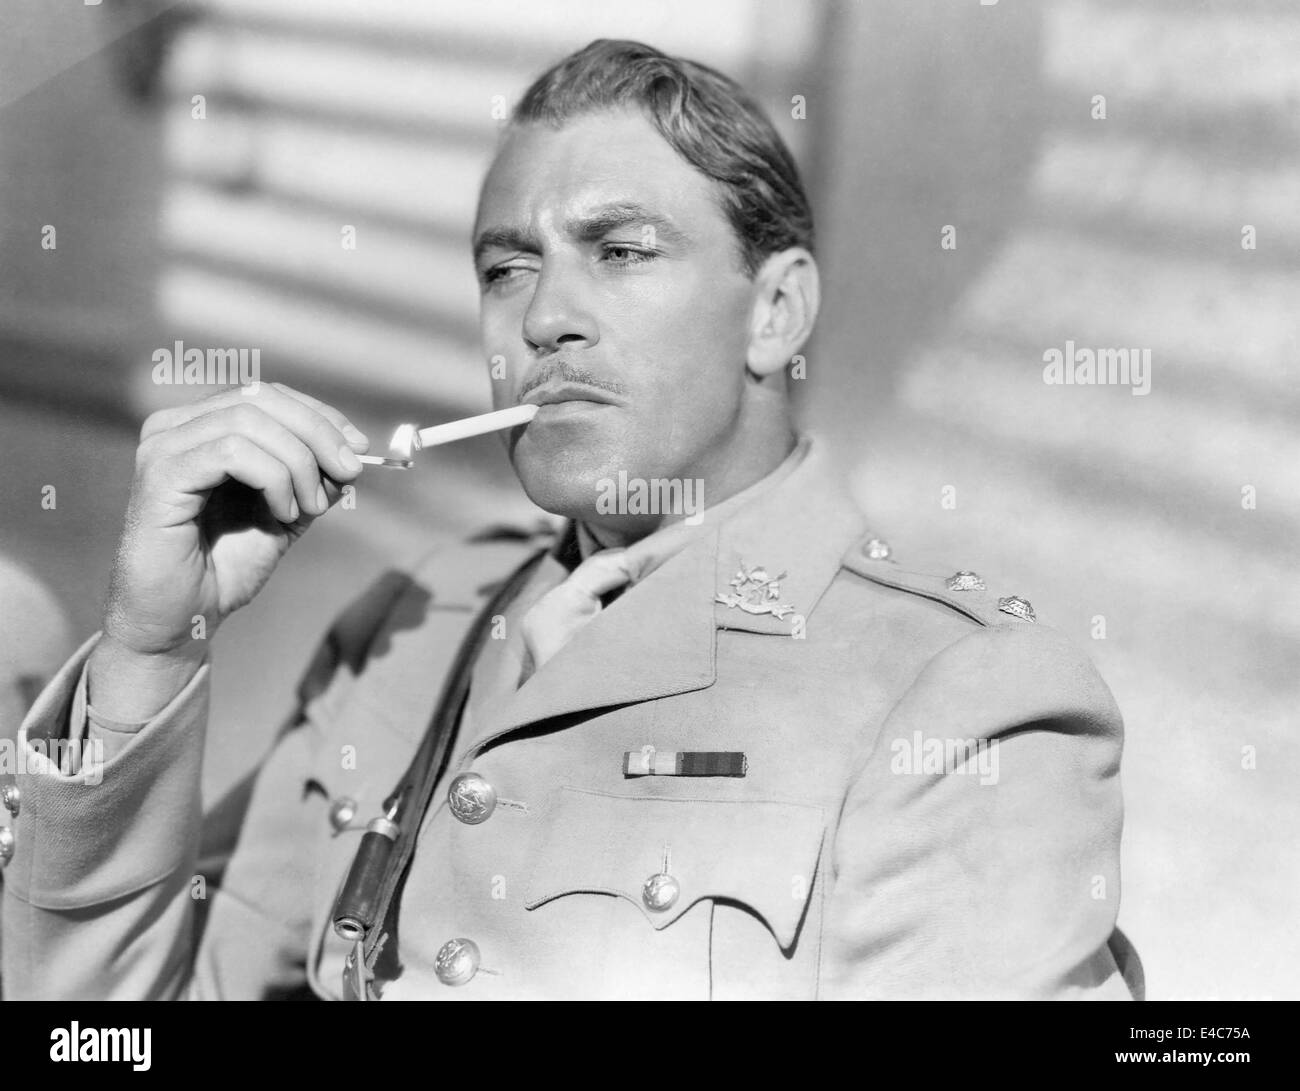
{"points": [[349, 459], [293, 509], [355, 436], [322, 501]]}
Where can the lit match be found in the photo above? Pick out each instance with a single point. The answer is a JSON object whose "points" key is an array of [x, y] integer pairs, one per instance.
{"points": [[391, 463]]}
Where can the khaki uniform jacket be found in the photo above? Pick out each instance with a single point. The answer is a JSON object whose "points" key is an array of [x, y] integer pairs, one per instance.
{"points": [[843, 864]]}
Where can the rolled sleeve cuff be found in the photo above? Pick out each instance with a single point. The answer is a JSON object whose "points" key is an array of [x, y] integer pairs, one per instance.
{"points": [[105, 812]]}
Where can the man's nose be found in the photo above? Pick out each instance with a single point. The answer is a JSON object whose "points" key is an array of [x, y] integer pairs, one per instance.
{"points": [[557, 314]]}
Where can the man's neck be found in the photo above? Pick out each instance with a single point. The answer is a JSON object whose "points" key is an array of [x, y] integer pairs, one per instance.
{"points": [[742, 470]]}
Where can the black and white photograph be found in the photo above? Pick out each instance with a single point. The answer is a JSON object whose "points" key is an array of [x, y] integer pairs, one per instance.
{"points": [[683, 500]]}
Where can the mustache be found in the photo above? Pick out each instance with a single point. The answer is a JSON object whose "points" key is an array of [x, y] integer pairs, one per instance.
{"points": [[566, 372]]}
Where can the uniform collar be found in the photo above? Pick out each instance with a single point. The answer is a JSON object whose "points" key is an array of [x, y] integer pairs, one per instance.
{"points": [[796, 532], [659, 637], [648, 554]]}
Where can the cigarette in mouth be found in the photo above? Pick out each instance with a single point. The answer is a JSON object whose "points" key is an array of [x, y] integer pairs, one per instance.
{"points": [[407, 439], [471, 426]]}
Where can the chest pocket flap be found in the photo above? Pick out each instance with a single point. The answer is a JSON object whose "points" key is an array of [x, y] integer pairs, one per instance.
{"points": [[761, 854]]}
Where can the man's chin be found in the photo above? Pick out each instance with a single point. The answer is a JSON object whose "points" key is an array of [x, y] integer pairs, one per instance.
{"points": [[562, 482], [564, 502]]}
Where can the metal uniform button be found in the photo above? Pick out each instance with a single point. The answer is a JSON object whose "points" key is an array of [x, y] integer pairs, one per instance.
{"points": [[877, 550], [11, 798], [1017, 607], [471, 799], [342, 812], [6, 845], [456, 962], [965, 581], [660, 892]]}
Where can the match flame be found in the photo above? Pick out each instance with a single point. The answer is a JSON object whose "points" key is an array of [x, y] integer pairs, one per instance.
{"points": [[406, 439]]}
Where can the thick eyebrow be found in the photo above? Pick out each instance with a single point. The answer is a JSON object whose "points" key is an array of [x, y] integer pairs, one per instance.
{"points": [[588, 227], [612, 217], [506, 238]]}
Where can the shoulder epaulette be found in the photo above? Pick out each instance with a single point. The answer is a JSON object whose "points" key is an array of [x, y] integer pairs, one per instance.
{"points": [[459, 572], [872, 558]]}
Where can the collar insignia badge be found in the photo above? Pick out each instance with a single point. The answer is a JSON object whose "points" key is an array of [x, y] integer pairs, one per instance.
{"points": [[756, 592]]}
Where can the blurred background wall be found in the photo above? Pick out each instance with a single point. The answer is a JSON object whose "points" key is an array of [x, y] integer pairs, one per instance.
{"points": [[202, 163]]}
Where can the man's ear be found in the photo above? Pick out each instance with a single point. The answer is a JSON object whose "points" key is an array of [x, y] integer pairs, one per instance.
{"points": [[787, 295]]}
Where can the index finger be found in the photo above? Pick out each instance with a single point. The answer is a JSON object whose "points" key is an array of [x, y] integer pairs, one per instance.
{"points": [[175, 416], [355, 437]]}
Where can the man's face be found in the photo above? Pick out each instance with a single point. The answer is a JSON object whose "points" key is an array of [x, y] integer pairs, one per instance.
{"points": [[613, 291]]}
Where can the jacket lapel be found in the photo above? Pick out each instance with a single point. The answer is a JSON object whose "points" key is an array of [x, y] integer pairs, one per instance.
{"points": [[659, 637], [654, 640]]}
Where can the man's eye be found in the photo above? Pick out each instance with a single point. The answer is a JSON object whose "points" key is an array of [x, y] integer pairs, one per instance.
{"points": [[500, 273], [621, 254]]}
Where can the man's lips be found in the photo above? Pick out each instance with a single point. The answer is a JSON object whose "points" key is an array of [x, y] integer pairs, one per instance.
{"points": [[560, 393], [553, 412]]}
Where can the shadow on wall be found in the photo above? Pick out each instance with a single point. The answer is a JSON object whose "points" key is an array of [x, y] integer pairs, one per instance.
{"points": [[934, 120]]}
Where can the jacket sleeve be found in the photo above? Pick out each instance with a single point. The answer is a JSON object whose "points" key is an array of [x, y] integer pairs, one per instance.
{"points": [[104, 897], [977, 853]]}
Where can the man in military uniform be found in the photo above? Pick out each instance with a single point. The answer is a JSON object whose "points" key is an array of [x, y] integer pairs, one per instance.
{"points": [[736, 753]]}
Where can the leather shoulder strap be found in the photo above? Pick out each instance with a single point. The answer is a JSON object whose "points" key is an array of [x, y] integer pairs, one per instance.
{"points": [[365, 910]]}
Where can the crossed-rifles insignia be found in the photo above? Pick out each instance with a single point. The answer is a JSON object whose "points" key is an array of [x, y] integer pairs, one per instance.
{"points": [[756, 593]]}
